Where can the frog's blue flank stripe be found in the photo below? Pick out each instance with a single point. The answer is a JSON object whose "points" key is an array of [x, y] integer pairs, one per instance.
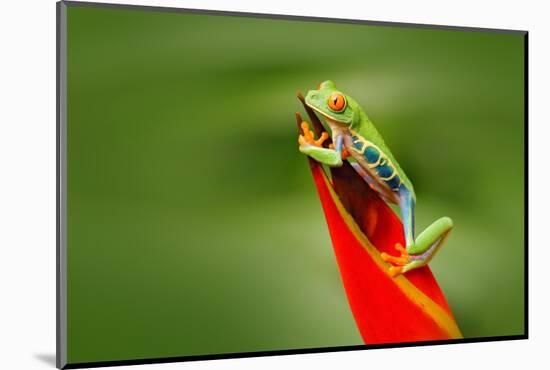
{"points": [[371, 155], [394, 182], [383, 169]]}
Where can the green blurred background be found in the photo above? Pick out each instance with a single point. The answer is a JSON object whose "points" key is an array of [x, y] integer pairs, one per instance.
{"points": [[193, 223]]}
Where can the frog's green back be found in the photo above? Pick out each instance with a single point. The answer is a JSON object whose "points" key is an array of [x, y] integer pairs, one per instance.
{"points": [[366, 129]]}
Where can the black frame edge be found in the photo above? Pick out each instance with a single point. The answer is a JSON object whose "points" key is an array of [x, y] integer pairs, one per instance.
{"points": [[526, 181], [225, 356]]}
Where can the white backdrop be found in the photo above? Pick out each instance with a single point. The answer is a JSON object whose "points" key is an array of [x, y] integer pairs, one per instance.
{"points": [[27, 182]]}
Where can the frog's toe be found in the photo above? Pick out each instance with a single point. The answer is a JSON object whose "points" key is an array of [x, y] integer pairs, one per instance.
{"points": [[303, 141], [308, 137], [395, 271], [319, 142], [399, 264], [402, 260]]}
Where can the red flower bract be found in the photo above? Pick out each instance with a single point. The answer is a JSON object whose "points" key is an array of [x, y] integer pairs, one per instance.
{"points": [[406, 308]]}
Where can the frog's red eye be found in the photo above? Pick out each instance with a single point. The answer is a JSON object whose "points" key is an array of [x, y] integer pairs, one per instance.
{"points": [[336, 102]]}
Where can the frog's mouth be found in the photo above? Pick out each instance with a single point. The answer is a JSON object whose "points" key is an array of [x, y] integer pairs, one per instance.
{"points": [[329, 122]]}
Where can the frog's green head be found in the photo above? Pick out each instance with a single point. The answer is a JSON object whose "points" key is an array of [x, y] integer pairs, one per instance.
{"points": [[333, 104]]}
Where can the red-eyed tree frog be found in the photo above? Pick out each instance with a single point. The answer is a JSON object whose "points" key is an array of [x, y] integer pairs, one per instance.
{"points": [[356, 139]]}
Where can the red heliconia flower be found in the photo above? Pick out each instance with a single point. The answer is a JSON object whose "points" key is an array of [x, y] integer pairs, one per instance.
{"points": [[405, 308]]}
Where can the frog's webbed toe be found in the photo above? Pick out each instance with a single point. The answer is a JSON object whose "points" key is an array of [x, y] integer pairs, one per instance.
{"points": [[308, 137], [400, 263]]}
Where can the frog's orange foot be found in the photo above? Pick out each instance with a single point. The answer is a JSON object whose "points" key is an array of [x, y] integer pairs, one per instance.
{"points": [[308, 138], [397, 262]]}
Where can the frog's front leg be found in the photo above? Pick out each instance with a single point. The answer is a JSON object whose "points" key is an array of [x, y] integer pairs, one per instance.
{"points": [[314, 148], [419, 251]]}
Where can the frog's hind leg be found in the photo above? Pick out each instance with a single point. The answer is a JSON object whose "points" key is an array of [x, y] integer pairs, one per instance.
{"points": [[421, 250], [406, 205], [428, 243]]}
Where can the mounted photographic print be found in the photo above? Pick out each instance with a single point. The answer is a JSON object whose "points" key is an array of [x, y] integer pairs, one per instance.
{"points": [[236, 185]]}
